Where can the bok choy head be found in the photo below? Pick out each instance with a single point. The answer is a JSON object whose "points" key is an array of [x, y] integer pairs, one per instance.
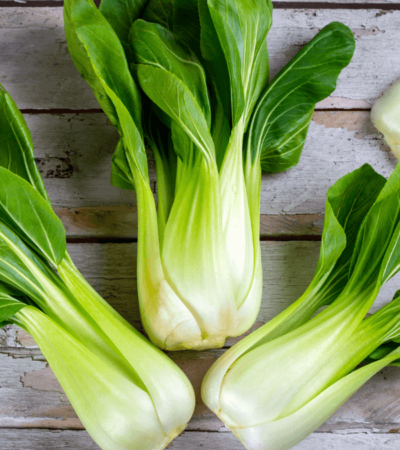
{"points": [[127, 393], [283, 381], [385, 115], [190, 79]]}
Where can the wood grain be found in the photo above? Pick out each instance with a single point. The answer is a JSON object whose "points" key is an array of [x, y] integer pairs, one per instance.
{"points": [[79, 440], [38, 71], [74, 151]]}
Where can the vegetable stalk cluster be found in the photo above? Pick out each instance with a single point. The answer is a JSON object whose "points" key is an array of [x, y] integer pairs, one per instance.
{"points": [[127, 393], [190, 79], [283, 381]]}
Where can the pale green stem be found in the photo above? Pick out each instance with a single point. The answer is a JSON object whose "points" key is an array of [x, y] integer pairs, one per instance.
{"points": [[252, 176], [236, 219]]}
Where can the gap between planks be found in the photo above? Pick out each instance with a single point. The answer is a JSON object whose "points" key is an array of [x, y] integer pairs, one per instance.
{"points": [[277, 4], [118, 224]]}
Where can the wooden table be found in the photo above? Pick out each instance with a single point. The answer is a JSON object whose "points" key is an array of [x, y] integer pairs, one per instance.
{"points": [[74, 142]]}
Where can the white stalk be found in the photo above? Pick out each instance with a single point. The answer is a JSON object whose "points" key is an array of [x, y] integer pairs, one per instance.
{"points": [[385, 115], [236, 217]]}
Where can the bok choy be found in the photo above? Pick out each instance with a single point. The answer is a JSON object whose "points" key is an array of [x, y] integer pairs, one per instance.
{"points": [[385, 115], [127, 393], [190, 79], [284, 380]]}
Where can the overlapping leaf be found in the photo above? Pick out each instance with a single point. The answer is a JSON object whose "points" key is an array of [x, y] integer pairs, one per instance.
{"points": [[16, 148], [8, 307], [121, 14], [242, 27], [156, 46], [282, 117], [179, 16], [106, 55], [351, 198], [175, 99], [20, 267], [82, 62], [375, 258], [25, 211]]}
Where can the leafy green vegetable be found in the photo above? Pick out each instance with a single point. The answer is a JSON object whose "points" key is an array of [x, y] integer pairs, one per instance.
{"points": [[9, 306], [121, 14], [280, 123], [16, 148], [199, 89], [122, 377], [284, 380], [385, 116]]}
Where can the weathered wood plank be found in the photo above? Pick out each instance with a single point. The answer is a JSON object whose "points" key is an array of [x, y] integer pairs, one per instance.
{"points": [[348, 3], [11, 439], [33, 47], [74, 155]]}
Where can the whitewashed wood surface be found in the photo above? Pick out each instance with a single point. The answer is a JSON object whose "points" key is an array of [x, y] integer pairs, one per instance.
{"points": [[39, 74], [74, 143]]}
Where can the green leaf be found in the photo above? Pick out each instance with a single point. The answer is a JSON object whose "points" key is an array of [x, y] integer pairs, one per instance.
{"points": [[16, 147], [220, 131], [154, 45], [382, 351], [225, 20], [175, 99], [8, 307], [351, 198], [107, 56], [20, 267], [9, 290], [121, 14], [187, 23], [135, 153], [25, 211], [179, 16], [161, 12], [214, 59], [242, 27], [82, 62], [160, 141], [281, 119], [5, 323], [375, 257], [121, 176]]}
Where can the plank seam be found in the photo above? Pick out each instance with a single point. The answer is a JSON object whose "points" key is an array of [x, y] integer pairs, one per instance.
{"points": [[127, 240], [277, 5], [61, 110], [327, 5], [98, 110], [336, 432]]}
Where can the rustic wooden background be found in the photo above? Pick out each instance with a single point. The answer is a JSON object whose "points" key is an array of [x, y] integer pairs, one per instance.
{"points": [[74, 142]]}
